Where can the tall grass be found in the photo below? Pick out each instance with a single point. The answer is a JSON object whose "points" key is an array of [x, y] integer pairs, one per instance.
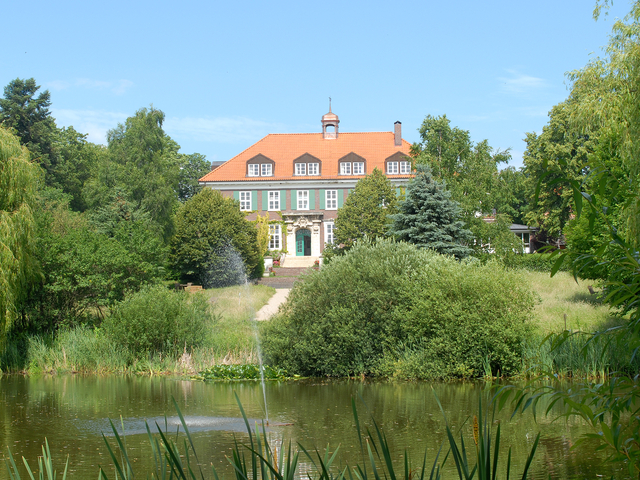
{"points": [[230, 340], [568, 309]]}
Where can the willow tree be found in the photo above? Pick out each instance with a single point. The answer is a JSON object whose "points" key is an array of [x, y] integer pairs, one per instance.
{"points": [[19, 179]]}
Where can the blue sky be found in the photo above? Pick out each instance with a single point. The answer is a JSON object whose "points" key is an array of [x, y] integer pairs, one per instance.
{"points": [[228, 73]]}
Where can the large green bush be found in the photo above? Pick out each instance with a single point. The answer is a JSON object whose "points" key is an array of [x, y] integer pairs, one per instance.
{"points": [[160, 320], [392, 309]]}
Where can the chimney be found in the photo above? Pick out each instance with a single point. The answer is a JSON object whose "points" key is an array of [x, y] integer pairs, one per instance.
{"points": [[397, 134]]}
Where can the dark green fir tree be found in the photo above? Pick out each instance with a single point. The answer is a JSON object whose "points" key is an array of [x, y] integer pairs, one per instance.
{"points": [[429, 218]]}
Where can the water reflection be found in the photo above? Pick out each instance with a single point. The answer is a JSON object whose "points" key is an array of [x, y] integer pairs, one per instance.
{"points": [[73, 411]]}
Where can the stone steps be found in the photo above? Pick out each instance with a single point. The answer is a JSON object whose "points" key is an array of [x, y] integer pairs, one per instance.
{"points": [[299, 262], [284, 277]]}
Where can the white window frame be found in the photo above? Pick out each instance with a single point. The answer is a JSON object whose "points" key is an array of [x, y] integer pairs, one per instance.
{"points": [[275, 237], [245, 201], [313, 169], [254, 170], [358, 168], [392, 168], [302, 197], [345, 168], [266, 170], [329, 233], [273, 200], [405, 168], [331, 199], [301, 169]]}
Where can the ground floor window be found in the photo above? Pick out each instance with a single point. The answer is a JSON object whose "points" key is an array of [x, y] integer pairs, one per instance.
{"points": [[275, 240], [328, 232]]}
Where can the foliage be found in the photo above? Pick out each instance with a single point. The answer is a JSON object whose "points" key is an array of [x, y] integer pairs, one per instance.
{"points": [[560, 145], [30, 119], [77, 159], [142, 165], [262, 226], [192, 168], [469, 170], [497, 239], [366, 210], [429, 218], [85, 271], [157, 319], [242, 372], [392, 309], [19, 180], [510, 194], [214, 244], [605, 102]]}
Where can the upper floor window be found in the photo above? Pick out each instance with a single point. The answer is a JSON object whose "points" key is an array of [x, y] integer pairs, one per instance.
{"points": [[313, 169], [358, 168], [345, 168], [405, 168], [267, 170], [392, 168], [303, 199], [301, 168], [245, 201], [254, 169], [274, 200], [331, 199]]}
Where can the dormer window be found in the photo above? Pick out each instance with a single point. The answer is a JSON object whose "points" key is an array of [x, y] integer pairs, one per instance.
{"points": [[352, 164], [306, 165], [260, 166], [398, 164]]}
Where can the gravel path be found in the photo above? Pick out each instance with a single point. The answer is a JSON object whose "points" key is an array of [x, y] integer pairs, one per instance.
{"points": [[273, 304]]}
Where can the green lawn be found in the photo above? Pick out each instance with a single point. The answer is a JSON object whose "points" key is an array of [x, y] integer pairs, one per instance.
{"points": [[560, 295]]}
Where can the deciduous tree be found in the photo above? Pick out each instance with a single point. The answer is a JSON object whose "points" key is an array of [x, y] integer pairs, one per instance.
{"points": [[366, 210], [19, 181]]}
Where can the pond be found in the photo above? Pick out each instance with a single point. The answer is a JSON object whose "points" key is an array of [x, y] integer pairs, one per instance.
{"points": [[72, 412]]}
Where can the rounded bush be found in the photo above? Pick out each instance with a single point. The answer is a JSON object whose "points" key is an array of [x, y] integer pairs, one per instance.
{"points": [[391, 309], [157, 319]]}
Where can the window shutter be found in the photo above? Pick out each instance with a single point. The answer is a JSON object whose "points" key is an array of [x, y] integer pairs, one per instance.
{"points": [[294, 199], [312, 199], [265, 200], [283, 200], [254, 200], [322, 199], [340, 198]]}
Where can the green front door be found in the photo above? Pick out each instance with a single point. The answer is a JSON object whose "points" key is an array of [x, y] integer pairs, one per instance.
{"points": [[303, 243]]}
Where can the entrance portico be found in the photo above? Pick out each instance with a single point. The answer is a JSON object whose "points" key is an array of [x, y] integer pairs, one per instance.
{"points": [[303, 233]]}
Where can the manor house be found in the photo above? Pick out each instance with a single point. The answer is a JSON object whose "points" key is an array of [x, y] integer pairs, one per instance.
{"points": [[300, 180]]}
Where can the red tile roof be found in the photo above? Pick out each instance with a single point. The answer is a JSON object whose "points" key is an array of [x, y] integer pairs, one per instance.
{"points": [[375, 147]]}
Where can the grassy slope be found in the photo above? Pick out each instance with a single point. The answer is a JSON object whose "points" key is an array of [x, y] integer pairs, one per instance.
{"points": [[560, 295]]}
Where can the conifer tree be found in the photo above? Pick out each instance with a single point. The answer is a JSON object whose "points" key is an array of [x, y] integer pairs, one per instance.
{"points": [[428, 217]]}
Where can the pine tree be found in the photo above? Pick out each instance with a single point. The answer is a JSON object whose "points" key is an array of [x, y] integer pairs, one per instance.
{"points": [[428, 217]]}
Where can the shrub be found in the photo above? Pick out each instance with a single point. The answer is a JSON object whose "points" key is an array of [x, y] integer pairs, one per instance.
{"points": [[392, 309], [160, 320]]}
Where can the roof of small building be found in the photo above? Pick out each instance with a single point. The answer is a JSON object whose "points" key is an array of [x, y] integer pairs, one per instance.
{"points": [[283, 149]]}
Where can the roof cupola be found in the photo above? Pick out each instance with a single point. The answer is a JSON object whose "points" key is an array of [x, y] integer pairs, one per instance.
{"points": [[330, 123]]}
